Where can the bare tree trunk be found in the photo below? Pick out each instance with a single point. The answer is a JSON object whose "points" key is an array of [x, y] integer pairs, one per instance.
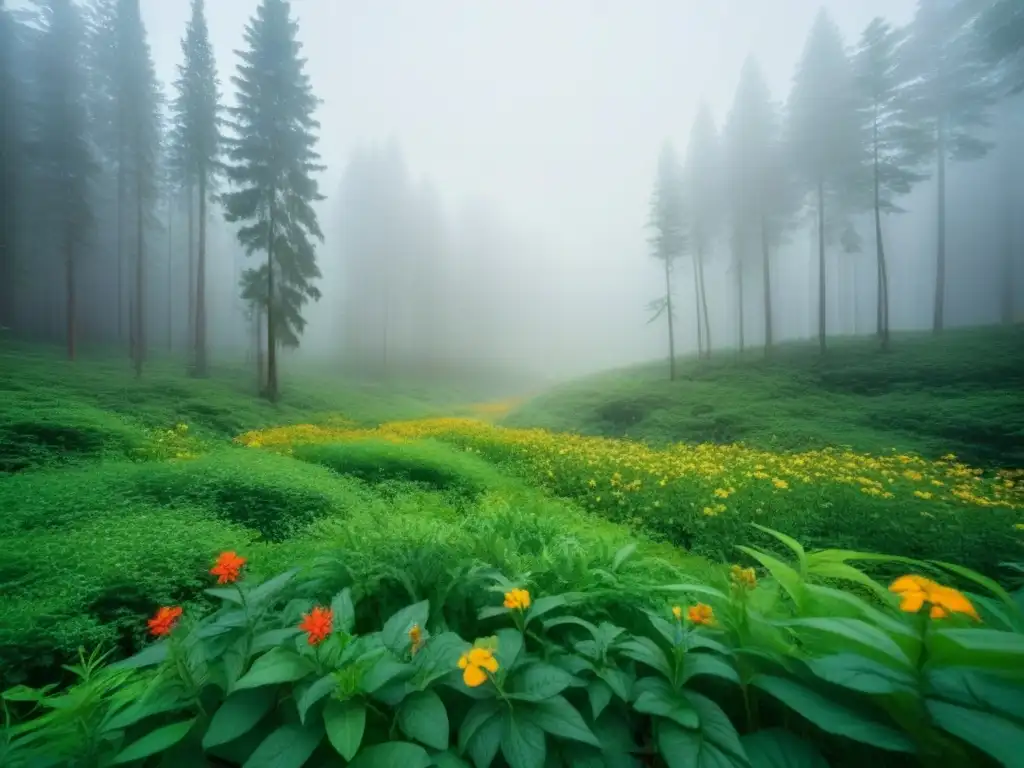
{"points": [[201, 362], [697, 305], [821, 265], [191, 253], [69, 254], [671, 326], [704, 303], [883, 280], [766, 268], [140, 275], [170, 274], [272, 392], [122, 194], [260, 358], [938, 321], [739, 303]]}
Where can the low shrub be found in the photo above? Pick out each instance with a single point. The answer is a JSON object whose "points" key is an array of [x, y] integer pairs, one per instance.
{"points": [[724, 673]]}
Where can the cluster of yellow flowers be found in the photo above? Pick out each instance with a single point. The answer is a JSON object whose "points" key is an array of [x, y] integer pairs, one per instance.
{"points": [[623, 472]]}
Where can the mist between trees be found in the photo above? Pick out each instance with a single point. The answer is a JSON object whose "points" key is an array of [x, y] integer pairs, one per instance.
{"points": [[881, 192]]}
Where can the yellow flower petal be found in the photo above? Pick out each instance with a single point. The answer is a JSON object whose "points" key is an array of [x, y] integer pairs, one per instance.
{"points": [[474, 676]]}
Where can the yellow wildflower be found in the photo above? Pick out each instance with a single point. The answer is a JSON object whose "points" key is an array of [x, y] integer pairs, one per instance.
{"points": [[517, 599], [915, 591], [475, 664]]}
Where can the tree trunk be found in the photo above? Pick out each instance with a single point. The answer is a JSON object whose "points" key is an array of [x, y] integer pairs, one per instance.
{"points": [[190, 203], [1007, 309], [260, 361], [697, 305], [821, 265], [200, 368], [739, 302], [938, 320], [671, 327], [122, 194], [271, 335], [140, 276], [704, 304], [69, 255], [766, 268], [883, 281], [170, 274]]}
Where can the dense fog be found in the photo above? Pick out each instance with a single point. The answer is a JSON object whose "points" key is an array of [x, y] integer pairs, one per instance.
{"points": [[487, 181]]}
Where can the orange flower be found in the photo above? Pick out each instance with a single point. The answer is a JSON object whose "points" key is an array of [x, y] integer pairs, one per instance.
{"points": [[227, 567], [743, 577], [415, 638], [317, 623], [474, 662], [701, 614], [915, 591], [164, 621], [517, 599]]}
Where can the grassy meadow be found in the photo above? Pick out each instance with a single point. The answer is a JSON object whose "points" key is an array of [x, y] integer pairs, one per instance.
{"points": [[117, 494]]}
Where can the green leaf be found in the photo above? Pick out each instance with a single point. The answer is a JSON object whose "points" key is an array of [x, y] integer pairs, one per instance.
{"points": [[392, 754], [623, 555], [395, 633], [539, 681], [560, 718], [776, 748], [716, 728], [793, 544], [278, 665], [155, 741], [600, 694], [654, 696], [150, 656], [311, 695], [167, 698], [239, 714], [491, 611], [385, 670], [856, 631], [344, 610], [422, 717], [691, 589], [523, 744], [978, 690], [784, 574], [646, 651], [448, 760], [545, 605], [345, 722], [478, 715], [620, 681], [483, 746], [227, 594], [695, 664], [272, 638], [978, 648], [984, 581], [290, 746], [510, 645], [682, 748], [831, 716], [559, 621], [1000, 738], [858, 673], [265, 593]]}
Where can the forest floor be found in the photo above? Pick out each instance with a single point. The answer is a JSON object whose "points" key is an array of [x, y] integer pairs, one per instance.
{"points": [[116, 493]]}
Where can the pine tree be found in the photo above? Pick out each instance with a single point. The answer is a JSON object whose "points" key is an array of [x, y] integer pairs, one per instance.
{"points": [[824, 133], [759, 192], [895, 145], [669, 240], [702, 202], [64, 150], [195, 150], [949, 94], [272, 157], [9, 154], [1000, 27]]}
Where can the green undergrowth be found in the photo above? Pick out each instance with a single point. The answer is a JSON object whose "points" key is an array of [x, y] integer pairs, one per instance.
{"points": [[89, 552], [961, 392]]}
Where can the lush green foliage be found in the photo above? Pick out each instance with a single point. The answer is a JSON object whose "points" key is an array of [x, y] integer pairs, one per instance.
{"points": [[851, 678]]}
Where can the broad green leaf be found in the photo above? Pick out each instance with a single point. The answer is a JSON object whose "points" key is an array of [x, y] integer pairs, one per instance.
{"points": [[856, 631], [227, 594], [978, 690], [278, 665], [560, 718], [386, 669], [344, 611], [448, 760], [776, 748], [239, 714], [272, 638], [523, 744], [695, 664], [538, 681], [478, 715], [265, 593], [834, 603], [422, 717], [483, 745], [312, 694], [545, 605], [345, 722], [858, 673], [166, 698], [150, 656], [600, 694], [996, 736], [438, 657], [623, 555], [395, 633], [620, 681], [672, 631], [984, 581], [682, 748], [155, 741], [392, 754], [491, 611], [793, 544], [289, 746], [717, 730], [615, 734], [510, 646], [646, 651], [559, 621], [978, 648], [784, 574], [657, 697], [831, 716]]}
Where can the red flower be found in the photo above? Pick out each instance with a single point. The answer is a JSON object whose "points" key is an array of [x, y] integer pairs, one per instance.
{"points": [[317, 623], [227, 567], [164, 621]]}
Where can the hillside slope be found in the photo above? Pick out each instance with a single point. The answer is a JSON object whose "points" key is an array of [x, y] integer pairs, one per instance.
{"points": [[961, 392]]}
